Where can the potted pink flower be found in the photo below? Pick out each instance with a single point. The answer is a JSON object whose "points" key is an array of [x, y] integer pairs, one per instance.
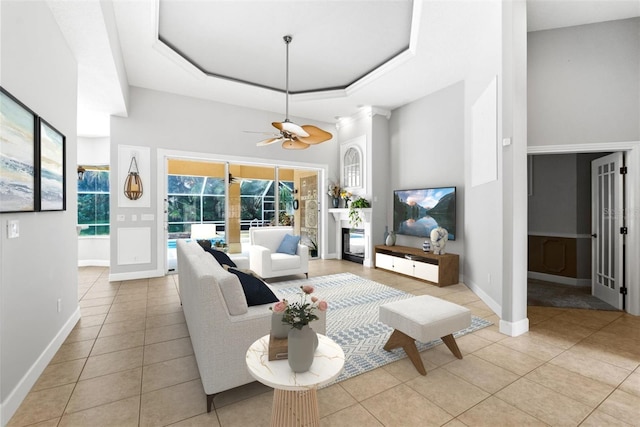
{"points": [[302, 340]]}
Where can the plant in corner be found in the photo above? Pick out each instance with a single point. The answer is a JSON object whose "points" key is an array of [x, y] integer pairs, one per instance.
{"points": [[313, 247], [355, 210]]}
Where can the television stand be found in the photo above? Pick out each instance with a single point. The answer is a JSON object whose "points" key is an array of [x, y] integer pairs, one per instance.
{"points": [[441, 270]]}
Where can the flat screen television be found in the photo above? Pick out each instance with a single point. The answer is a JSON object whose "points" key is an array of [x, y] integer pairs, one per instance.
{"points": [[417, 212]]}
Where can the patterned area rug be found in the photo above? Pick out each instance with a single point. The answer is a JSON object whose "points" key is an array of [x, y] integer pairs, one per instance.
{"points": [[352, 319]]}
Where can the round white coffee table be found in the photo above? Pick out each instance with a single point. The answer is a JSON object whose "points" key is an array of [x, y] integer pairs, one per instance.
{"points": [[295, 399]]}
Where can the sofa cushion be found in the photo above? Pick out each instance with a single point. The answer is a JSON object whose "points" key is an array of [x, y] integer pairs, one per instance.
{"points": [[221, 257], [289, 245], [255, 290], [230, 287], [281, 262]]}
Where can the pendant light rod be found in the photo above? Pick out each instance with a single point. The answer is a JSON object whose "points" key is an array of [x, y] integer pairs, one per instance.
{"points": [[287, 39]]}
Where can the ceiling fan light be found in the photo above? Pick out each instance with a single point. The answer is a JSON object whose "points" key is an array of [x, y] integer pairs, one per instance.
{"points": [[290, 127]]}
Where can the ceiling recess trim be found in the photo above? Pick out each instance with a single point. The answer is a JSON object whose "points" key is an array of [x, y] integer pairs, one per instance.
{"points": [[165, 48]]}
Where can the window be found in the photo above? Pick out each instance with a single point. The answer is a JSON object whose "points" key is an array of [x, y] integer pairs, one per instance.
{"points": [[194, 199], [93, 203], [200, 199], [352, 164]]}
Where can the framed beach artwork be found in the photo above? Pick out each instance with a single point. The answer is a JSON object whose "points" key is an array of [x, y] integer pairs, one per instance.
{"points": [[18, 168], [52, 168]]}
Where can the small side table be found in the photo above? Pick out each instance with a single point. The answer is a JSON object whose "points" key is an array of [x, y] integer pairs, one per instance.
{"points": [[295, 398]]}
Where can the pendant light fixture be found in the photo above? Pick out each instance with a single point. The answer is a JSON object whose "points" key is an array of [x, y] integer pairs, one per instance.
{"points": [[133, 183]]}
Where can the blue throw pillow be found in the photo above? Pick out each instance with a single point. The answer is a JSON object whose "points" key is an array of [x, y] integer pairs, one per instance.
{"points": [[289, 245], [255, 290], [221, 257]]}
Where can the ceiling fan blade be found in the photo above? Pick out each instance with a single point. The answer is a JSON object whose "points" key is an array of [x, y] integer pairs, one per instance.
{"points": [[290, 127], [270, 141], [294, 144], [316, 135]]}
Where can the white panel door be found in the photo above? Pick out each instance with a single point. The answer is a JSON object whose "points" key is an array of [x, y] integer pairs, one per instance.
{"points": [[607, 219]]}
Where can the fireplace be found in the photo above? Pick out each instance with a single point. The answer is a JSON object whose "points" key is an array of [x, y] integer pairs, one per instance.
{"points": [[353, 244]]}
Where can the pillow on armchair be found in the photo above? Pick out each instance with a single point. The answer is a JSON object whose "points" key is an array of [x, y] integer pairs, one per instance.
{"points": [[289, 245]]}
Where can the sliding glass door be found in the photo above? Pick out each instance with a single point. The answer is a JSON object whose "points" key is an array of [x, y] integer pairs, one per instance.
{"points": [[233, 197]]}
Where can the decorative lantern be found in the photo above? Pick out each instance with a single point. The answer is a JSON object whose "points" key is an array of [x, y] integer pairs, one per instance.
{"points": [[133, 183]]}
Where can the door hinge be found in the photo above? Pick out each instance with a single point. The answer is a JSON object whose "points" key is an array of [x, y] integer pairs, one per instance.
{"points": [[623, 290], [623, 230], [623, 170]]}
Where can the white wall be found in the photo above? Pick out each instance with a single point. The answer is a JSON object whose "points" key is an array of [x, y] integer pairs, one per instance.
{"points": [[171, 122], [38, 68], [439, 128], [483, 222], [585, 96], [94, 251], [552, 208], [584, 84], [427, 150]]}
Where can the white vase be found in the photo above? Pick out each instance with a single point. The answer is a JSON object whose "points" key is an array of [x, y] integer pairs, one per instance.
{"points": [[391, 239], [302, 344]]}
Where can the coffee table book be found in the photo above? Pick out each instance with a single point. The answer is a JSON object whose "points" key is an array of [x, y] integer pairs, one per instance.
{"points": [[278, 348]]}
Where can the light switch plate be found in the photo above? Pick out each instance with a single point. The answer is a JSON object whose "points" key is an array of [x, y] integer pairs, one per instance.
{"points": [[13, 228]]}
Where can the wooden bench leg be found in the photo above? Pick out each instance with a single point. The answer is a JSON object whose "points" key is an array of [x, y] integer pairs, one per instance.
{"points": [[408, 344], [450, 341]]}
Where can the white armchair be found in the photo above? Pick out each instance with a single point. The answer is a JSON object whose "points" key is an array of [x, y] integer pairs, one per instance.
{"points": [[266, 262]]}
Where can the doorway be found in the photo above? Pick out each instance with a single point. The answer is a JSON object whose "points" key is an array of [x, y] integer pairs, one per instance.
{"points": [[560, 228]]}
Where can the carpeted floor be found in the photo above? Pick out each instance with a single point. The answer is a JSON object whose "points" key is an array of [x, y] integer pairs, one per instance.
{"points": [[352, 319], [549, 294]]}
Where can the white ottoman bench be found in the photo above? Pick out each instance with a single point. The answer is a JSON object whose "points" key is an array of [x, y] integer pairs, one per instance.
{"points": [[423, 318]]}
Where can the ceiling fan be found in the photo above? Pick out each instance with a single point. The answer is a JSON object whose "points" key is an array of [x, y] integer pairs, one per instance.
{"points": [[293, 136]]}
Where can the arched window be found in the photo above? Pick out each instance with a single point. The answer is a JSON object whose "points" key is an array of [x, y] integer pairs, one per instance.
{"points": [[352, 168]]}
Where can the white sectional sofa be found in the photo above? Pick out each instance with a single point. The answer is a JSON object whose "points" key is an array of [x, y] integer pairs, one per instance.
{"points": [[221, 324]]}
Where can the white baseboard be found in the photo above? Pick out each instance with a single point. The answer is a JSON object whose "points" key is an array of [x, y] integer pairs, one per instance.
{"points": [[136, 275], [94, 263], [17, 395], [493, 305], [571, 281], [513, 329]]}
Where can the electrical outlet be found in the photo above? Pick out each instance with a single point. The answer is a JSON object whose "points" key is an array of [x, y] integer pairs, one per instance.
{"points": [[59, 305], [489, 278]]}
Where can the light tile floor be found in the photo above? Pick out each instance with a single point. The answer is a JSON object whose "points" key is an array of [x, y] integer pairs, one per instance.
{"points": [[129, 361]]}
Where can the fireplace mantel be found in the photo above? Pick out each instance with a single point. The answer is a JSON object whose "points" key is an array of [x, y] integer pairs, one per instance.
{"points": [[341, 216]]}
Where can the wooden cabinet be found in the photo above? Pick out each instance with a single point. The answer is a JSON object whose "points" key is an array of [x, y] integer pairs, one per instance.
{"points": [[442, 270]]}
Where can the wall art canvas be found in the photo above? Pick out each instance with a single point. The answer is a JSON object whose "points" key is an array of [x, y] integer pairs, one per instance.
{"points": [[17, 155], [52, 168]]}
